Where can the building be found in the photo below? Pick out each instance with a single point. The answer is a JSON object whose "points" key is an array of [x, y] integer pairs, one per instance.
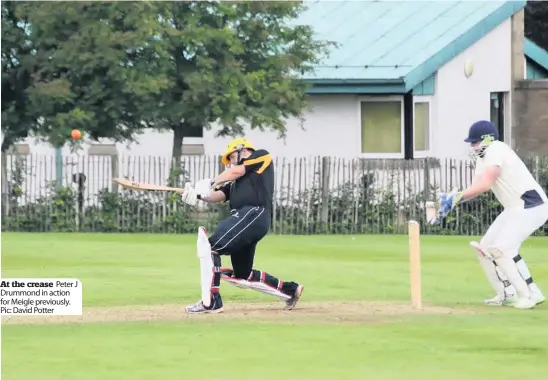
{"points": [[406, 81]]}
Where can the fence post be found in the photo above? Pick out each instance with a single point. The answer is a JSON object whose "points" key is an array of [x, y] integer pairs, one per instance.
{"points": [[536, 167], [114, 170], [325, 189], [108, 150], [5, 187], [275, 197], [426, 176], [58, 168], [221, 165]]}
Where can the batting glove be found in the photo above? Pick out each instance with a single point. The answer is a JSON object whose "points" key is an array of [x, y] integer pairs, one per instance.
{"points": [[204, 187], [190, 195]]}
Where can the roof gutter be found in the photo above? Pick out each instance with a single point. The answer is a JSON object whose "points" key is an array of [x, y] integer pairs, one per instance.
{"points": [[366, 81]]}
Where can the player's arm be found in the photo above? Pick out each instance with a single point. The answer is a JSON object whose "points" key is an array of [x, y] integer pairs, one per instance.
{"points": [[221, 194], [493, 161], [257, 162], [229, 175], [483, 182], [214, 197]]}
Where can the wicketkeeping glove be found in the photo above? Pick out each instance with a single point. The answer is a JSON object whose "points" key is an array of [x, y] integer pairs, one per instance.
{"points": [[448, 202]]}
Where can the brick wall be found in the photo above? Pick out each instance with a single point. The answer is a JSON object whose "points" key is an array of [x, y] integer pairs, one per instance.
{"points": [[530, 111]]}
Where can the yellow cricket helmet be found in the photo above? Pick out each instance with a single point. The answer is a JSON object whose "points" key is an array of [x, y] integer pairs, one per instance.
{"points": [[236, 146]]}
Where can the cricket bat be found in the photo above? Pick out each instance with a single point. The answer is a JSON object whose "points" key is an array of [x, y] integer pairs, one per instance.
{"points": [[129, 184], [431, 212], [432, 209]]}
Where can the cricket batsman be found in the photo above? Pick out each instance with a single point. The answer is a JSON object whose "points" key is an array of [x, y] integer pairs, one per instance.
{"points": [[248, 186], [525, 209]]}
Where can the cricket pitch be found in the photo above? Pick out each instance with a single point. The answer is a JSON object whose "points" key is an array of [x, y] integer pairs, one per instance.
{"points": [[305, 312]]}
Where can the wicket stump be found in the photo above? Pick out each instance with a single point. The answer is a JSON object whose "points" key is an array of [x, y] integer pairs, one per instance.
{"points": [[415, 264]]}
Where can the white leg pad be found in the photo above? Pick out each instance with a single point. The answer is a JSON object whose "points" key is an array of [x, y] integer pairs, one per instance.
{"points": [[508, 266], [242, 284], [206, 265], [264, 288], [254, 285], [495, 276]]}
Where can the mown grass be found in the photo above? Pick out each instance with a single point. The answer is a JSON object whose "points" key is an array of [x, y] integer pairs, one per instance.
{"points": [[156, 269]]}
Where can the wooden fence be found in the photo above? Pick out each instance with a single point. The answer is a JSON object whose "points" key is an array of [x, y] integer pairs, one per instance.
{"points": [[313, 194]]}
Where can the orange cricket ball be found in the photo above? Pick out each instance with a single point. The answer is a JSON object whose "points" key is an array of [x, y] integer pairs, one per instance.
{"points": [[76, 134]]}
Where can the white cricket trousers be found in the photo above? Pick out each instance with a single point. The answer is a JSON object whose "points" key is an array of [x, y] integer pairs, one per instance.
{"points": [[512, 227]]}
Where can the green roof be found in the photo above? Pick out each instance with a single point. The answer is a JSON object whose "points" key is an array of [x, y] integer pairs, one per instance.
{"points": [[389, 42]]}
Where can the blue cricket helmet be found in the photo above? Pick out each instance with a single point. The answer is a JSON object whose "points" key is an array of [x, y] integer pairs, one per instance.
{"points": [[482, 130]]}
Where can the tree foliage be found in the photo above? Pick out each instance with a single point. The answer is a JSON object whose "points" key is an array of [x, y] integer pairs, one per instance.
{"points": [[76, 65], [91, 74], [18, 66], [231, 65], [114, 68]]}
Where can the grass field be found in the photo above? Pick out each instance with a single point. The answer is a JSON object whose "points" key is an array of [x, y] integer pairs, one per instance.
{"points": [[353, 322]]}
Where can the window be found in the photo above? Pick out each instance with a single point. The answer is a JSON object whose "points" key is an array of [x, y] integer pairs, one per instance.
{"points": [[421, 125], [497, 112], [382, 127]]}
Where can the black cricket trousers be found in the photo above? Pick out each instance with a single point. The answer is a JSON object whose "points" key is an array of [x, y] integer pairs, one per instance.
{"points": [[238, 236]]}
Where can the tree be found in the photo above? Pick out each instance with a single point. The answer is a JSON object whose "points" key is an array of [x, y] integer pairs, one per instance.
{"points": [[114, 68], [88, 69], [18, 66], [536, 22], [232, 64]]}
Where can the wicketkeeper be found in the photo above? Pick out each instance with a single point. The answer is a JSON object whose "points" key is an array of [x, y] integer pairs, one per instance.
{"points": [[248, 185], [499, 169]]}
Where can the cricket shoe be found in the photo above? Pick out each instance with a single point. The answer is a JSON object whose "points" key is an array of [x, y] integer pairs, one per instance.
{"points": [[525, 303], [199, 308], [501, 300], [538, 298], [290, 303]]}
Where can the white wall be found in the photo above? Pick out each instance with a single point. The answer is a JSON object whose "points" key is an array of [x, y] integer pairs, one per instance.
{"points": [[329, 129], [459, 101]]}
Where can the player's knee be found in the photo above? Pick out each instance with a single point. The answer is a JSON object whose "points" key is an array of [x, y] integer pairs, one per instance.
{"points": [[494, 251], [220, 244], [498, 251]]}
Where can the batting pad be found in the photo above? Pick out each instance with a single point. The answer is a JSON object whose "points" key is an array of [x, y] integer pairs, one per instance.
{"points": [[206, 265], [259, 286], [496, 277]]}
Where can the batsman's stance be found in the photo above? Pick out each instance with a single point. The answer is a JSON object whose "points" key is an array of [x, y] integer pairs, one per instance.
{"points": [[499, 169], [248, 185]]}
